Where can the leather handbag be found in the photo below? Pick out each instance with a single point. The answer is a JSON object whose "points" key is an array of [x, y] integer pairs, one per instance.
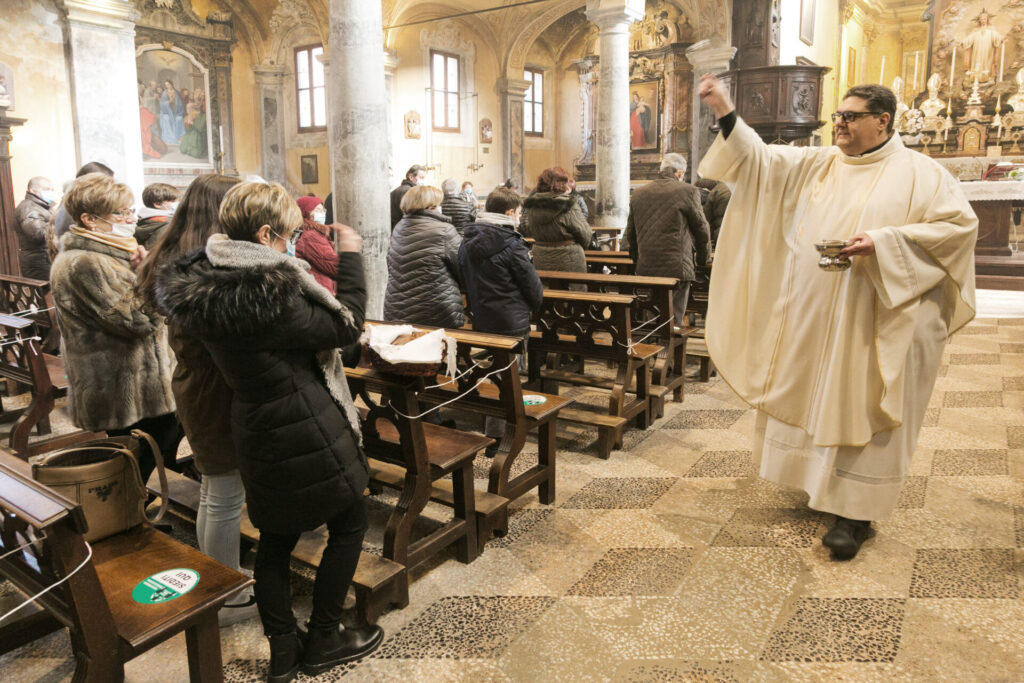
{"points": [[103, 477]]}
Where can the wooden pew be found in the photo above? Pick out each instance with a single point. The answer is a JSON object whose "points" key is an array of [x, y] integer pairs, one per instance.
{"points": [[19, 295], [651, 315], [697, 306], [479, 354], [25, 363], [378, 582], [596, 327], [618, 266], [407, 454], [606, 254], [95, 598]]}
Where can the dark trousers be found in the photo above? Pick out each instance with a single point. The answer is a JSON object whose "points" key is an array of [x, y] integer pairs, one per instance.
{"points": [[272, 572], [166, 431]]}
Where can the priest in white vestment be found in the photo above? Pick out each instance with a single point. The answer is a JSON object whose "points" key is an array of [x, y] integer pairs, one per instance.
{"points": [[840, 365]]}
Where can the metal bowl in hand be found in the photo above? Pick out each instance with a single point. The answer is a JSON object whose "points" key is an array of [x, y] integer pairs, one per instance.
{"points": [[830, 259]]}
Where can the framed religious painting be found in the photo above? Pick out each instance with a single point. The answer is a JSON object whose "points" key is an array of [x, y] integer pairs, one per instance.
{"points": [[645, 116], [174, 88], [807, 21], [310, 169]]}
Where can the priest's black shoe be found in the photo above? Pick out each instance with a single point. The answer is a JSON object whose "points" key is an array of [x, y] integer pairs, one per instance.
{"points": [[285, 658], [845, 537], [327, 648]]}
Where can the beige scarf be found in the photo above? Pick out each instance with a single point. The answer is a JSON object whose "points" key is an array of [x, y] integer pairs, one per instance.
{"points": [[129, 244]]}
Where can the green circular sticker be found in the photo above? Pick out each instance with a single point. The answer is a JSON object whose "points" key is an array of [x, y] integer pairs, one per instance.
{"points": [[165, 586], [533, 400]]}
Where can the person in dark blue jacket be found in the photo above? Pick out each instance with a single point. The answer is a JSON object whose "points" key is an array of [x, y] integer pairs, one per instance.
{"points": [[502, 286]]}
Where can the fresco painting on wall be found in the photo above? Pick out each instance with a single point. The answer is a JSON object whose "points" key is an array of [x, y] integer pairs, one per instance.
{"points": [[172, 109], [644, 115], [412, 125], [486, 131]]}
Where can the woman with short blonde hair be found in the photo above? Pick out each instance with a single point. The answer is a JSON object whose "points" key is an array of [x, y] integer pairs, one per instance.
{"points": [[114, 345], [423, 264], [275, 333]]}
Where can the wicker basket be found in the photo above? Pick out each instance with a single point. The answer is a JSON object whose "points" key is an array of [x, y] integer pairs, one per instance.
{"points": [[407, 369]]}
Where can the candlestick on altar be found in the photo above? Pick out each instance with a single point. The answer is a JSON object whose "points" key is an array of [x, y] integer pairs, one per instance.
{"points": [[220, 131], [913, 86], [997, 120], [952, 71], [1002, 56], [881, 73]]}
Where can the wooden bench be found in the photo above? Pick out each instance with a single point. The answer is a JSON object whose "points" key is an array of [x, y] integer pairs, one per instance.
{"points": [[697, 307], [94, 598], [501, 395], [618, 266], [606, 254], [378, 583], [652, 313], [23, 362], [595, 327], [427, 453], [18, 295]]}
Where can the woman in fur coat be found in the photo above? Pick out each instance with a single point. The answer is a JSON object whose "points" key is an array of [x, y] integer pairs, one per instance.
{"points": [[274, 333], [114, 346]]}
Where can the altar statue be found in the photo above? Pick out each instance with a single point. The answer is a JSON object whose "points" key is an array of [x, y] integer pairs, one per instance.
{"points": [[1017, 101], [982, 45], [933, 105], [901, 106]]}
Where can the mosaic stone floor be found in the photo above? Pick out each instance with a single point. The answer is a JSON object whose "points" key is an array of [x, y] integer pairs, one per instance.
{"points": [[672, 561]]}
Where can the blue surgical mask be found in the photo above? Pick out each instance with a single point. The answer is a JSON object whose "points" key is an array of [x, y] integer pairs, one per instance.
{"points": [[48, 196], [289, 248]]}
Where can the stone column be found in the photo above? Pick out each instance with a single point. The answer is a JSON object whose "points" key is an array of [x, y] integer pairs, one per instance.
{"points": [[390, 66], [270, 91], [612, 150], [100, 43], [357, 112], [707, 56], [513, 93], [587, 70], [224, 120]]}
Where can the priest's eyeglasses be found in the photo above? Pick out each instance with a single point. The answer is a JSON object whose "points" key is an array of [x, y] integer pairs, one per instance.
{"points": [[851, 116]]}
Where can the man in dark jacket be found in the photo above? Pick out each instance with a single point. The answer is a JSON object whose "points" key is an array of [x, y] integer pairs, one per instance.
{"points": [[455, 205], [715, 196], [32, 218], [413, 177], [502, 286], [665, 225]]}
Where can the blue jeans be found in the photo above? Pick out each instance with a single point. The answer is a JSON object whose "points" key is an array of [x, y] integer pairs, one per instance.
{"points": [[221, 498]]}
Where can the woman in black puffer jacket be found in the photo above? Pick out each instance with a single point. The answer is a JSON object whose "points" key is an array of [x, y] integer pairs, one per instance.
{"points": [[274, 335], [423, 286]]}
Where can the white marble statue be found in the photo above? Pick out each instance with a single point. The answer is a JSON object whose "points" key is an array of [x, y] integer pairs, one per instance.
{"points": [[1017, 101], [982, 45], [933, 105], [901, 106]]}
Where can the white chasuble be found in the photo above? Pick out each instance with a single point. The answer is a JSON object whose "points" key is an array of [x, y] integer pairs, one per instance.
{"points": [[840, 365]]}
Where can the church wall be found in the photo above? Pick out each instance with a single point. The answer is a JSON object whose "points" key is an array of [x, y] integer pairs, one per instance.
{"points": [[45, 145], [569, 144], [824, 51], [451, 153], [541, 152], [245, 111]]}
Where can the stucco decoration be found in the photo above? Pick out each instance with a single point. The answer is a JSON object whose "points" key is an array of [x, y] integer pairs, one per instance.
{"points": [[447, 37]]}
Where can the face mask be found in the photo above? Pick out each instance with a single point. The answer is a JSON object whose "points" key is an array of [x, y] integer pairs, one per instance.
{"points": [[121, 229], [468, 191], [289, 248], [319, 216], [48, 196], [174, 207]]}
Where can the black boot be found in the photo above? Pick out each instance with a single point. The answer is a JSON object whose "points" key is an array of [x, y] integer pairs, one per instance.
{"points": [[285, 658], [327, 648], [845, 537]]}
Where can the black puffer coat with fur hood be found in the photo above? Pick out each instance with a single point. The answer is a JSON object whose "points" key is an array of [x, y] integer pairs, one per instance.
{"points": [[296, 449]]}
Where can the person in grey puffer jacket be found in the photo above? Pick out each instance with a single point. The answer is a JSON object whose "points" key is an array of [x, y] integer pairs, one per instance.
{"points": [[665, 226], [455, 205], [552, 217], [423, 286]]}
